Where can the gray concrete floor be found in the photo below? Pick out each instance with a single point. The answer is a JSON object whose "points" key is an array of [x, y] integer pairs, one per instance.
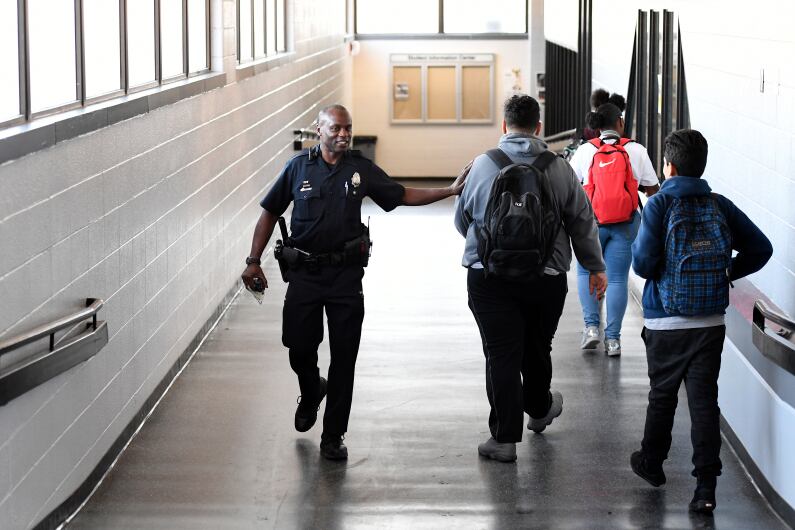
{"points": [[221, 452]]}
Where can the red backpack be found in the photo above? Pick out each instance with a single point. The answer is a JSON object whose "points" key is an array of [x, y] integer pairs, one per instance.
{"points": [[612, 188]]}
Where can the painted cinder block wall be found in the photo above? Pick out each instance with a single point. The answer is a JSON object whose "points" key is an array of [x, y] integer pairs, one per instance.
{"points": [[154, 215]]}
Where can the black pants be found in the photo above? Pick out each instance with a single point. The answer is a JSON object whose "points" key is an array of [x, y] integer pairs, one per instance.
{"points": [[692, 355], [517, 322], [338, 289]]}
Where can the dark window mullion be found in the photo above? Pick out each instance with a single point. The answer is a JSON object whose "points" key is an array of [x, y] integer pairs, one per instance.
{"points": [[441, 17], [208, 29], [80, 54], [123, 43], [275, 26], [237, 31], [185, 41], [265, 26], [24, 58], [254, 32], [158, 46]]}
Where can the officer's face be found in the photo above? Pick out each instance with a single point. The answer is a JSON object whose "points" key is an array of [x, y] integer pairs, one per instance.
{"points": [[335, 131]]}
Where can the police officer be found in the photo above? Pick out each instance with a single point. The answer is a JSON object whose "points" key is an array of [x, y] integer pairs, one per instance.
{"points": [[326, 185]]}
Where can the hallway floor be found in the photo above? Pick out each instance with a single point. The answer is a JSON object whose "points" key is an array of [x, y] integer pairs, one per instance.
{"points": [[220, 451]]}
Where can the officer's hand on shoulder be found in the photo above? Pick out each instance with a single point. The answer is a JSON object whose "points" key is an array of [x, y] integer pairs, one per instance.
{"points": [[254, 279], [458, 184]]}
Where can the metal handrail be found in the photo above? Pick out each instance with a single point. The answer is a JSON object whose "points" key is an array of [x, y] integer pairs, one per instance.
{"points": [[563, 135], [776, 345], [92, 306]]}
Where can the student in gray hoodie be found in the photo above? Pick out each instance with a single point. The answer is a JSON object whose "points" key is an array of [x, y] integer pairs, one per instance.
{"points": [[517, 321]]}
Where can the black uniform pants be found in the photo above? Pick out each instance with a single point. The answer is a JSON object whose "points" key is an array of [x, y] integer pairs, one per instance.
{"points": [[692, 356], [338, 289], [517, 322]]}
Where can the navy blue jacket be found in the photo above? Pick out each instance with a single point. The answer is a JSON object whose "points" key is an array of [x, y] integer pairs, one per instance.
{"points": [[648, 250]]}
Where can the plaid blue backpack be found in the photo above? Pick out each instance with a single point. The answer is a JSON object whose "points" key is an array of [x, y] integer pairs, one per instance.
{"points": [[698, 251]]}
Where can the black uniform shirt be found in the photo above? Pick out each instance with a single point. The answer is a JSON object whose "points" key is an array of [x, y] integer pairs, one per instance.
{"points": [[328, 199]]}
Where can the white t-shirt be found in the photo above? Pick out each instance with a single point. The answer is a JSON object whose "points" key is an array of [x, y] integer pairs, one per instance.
{"points": [[642, 168]]}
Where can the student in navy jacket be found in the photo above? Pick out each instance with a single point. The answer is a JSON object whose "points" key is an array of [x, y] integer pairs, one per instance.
{"points": [[680, 345]]}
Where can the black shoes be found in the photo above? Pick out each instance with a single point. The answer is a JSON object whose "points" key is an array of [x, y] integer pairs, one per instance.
{"points": [[306, 413], [653, 474], [704, 497], [332, 448]]}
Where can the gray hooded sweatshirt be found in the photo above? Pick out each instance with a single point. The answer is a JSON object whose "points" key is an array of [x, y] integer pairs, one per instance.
{"points": [[579, 228]]}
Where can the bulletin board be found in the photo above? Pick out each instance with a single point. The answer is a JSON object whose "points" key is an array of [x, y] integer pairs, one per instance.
{"points": [[451, 88]]}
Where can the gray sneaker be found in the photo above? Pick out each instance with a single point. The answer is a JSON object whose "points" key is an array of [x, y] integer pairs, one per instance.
{"points": [[590, 338], [613, 347], [538, 425], [502, 452]]}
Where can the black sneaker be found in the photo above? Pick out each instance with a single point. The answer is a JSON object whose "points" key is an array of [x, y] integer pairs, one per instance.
{"points": [[704, 497], [653, 474], [332, 448], [306, 413]]}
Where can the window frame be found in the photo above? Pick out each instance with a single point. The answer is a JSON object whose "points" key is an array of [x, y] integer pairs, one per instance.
{"points": [[270, 23], [440, 33], [26, 114]]}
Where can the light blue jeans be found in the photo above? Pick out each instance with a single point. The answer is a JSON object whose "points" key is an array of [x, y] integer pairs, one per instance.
{"points": [[616, 243]]}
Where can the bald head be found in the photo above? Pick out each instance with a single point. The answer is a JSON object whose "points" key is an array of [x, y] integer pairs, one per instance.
{"points": [[334, 129], [325, 114]]}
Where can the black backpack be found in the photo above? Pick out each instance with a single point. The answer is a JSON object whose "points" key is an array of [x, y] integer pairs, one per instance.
{"points": [[522, 219]]}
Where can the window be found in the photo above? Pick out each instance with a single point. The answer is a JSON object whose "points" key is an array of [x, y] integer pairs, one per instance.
{"points": [[446, 17], [79, 52], [53, 76], [262, 29], [477, 16], [9, 62], [454, 88], [102, 47], [141, 36]]}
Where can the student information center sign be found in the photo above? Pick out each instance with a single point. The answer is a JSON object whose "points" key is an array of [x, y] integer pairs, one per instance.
{"points": [[442, 88]]}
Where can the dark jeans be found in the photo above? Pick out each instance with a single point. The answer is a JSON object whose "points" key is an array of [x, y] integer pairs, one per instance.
{"points": [[339, 290], [692, 355], [517, 322]]}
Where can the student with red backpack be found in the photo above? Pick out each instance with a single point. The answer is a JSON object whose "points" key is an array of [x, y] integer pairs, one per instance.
{"points": [[612, 170], [684, 250]]}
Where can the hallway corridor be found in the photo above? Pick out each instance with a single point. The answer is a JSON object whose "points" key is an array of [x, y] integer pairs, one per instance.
{"points": [[220, 451]]}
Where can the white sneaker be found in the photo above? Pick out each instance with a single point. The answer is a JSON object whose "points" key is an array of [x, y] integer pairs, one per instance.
{"points": [[538, 425], [613, 347], [590, 338]]}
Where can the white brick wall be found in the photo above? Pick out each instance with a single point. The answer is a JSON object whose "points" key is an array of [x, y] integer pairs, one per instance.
{"points": [[154, 215]]}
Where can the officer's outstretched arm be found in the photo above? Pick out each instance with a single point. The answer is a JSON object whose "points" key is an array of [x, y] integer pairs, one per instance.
{"points": [[262, 234], [421, 196]]}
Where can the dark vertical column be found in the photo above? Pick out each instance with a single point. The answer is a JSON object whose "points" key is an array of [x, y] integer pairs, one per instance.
{"points": [[641, 74], [629, 115], [667, 76], [654, 89], [682, 110]]}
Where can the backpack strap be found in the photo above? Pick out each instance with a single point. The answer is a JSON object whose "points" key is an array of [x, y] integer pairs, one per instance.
{"points": [[543, 160], [499, 157], [624, 141]]}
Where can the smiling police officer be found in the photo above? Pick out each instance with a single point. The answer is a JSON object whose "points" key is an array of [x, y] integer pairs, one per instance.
{"points": [[325, 255]]}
